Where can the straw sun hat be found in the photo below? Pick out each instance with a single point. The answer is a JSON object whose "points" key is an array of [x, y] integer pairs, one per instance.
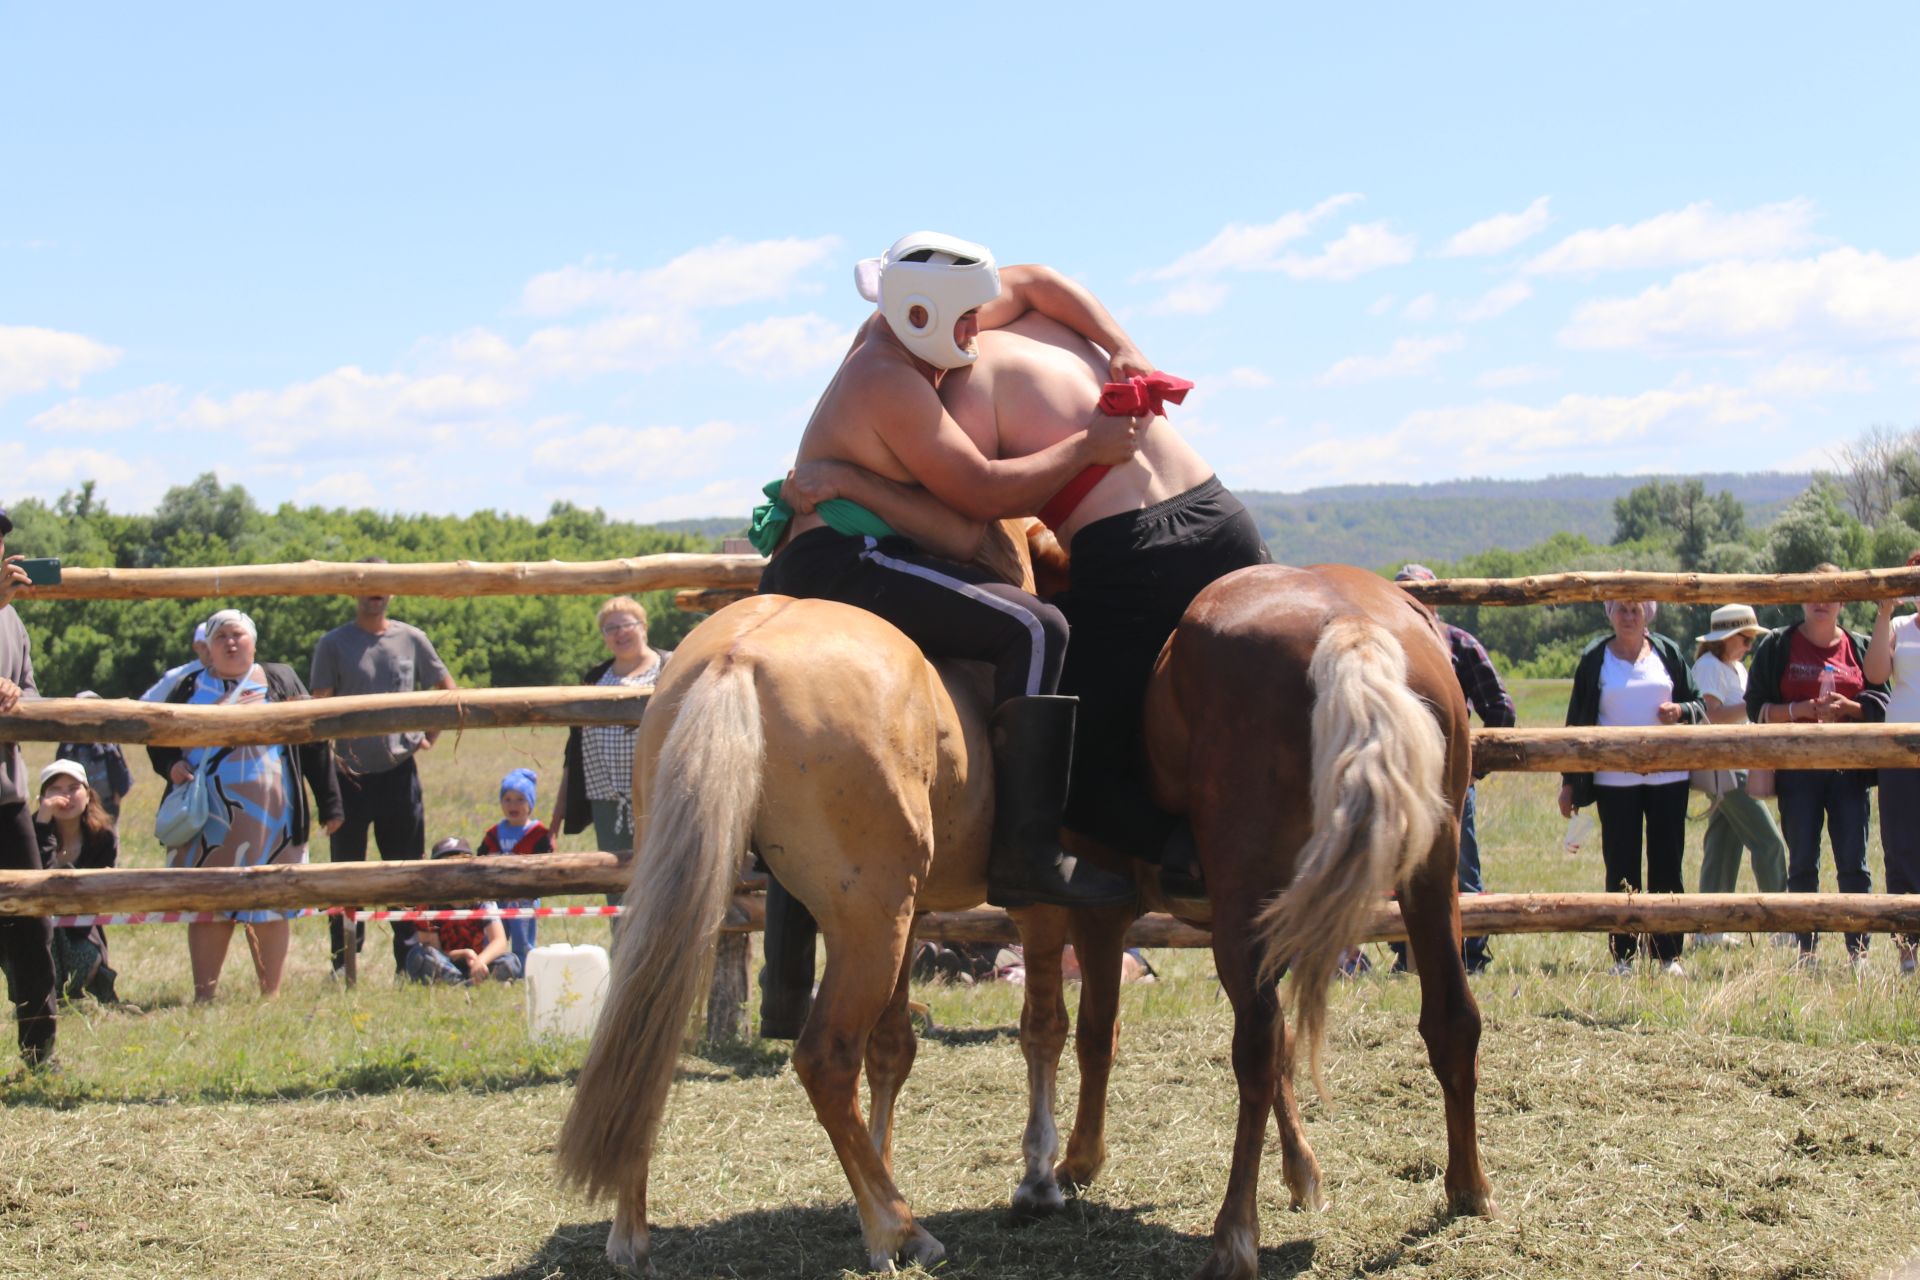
{"points": [[1731, 620]]}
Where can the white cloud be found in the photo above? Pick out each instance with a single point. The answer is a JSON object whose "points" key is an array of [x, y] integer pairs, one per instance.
{"points": [[1243, 247], [349, 403], [1499, 233], [1844, 295], [785, 346], [1503, 438], [1802, 375], [1245, 378], [1192, 298], [50, 470], [1421, 308], [340, 489], [1381, 305], [145, 406], [639, 454], [33, 359], [1408, 357], [1497, 301], [734, 496], [1365, 247], [1697, 233], [1515, 375], [722, 274], [616, 344]]}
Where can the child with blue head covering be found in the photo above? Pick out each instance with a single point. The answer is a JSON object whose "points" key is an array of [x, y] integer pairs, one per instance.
{"points": [[518, 831]]}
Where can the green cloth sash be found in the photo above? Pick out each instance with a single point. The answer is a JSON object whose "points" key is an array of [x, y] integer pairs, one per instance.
{"points": [[843, 515]]}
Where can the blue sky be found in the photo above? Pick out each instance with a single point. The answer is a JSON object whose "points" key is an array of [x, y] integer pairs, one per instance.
{"points": [[437, 257]]}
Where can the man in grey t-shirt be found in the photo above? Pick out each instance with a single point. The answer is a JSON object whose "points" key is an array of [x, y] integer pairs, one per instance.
{"points": [[379, 781], [25, 941]]}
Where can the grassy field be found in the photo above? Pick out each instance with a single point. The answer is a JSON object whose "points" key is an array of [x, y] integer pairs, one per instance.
{"points": [[1750, 1121]]}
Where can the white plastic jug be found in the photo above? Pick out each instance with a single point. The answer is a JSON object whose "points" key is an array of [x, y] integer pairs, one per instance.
{"points": [[566, 986]]}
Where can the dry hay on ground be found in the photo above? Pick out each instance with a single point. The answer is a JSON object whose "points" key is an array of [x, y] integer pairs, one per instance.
{"points": [[1613, 1148]]}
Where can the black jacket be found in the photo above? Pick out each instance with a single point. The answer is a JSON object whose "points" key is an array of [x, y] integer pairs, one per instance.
{"points": [[1583, 708], [1768, 668], [316, 758], [579, 811]]}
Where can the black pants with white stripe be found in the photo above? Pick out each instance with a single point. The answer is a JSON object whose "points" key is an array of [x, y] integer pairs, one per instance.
{"points": [[950, 610]]}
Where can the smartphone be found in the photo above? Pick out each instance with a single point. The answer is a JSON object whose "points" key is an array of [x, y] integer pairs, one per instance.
{"points": [[43, 571]]}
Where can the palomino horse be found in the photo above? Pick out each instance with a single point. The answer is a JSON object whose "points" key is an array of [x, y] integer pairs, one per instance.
{"points": [[1310, 725], [861, 772]]}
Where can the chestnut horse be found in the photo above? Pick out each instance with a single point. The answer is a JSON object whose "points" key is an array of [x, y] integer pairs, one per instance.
{"points": [[1309, 723]]}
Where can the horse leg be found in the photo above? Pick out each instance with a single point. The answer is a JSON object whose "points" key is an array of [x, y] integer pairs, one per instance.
{"points": [[1099, 942], [627, 1242], [1297, 1162], [1256, 1018], [1043, 1034], [861, 980], [890, 1053], [1449, 1019]]}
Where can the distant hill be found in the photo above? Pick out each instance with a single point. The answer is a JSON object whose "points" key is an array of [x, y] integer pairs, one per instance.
{"points": [[1378, 524], [715, 527]]}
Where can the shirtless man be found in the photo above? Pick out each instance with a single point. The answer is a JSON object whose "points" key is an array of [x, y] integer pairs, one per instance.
{"points": [[1145, 537], [903, 556]]}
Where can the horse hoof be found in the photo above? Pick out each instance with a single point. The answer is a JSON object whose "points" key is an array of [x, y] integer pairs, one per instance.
{"points": [[1235, 1256], [1309, 1199], [1076, 1176], [628, 1252], [1037, 1200], [922, 1249], [1472, 1204]]}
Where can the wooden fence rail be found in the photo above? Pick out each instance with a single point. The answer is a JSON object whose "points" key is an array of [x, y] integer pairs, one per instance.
{"points": [[46, 893], [722, 577], [454, 578], [1805, 746], [1679, 588]]}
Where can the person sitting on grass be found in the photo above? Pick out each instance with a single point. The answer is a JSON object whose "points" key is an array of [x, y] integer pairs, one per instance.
{"points": [[74, 829], [460, 952], [518, 831]]}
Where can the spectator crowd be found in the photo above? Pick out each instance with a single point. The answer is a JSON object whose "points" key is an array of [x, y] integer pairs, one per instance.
{"points": [[242, 805]]}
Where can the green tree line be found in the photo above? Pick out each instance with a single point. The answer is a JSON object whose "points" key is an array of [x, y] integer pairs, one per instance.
{"points": [[1676, 526], [118, 647]]}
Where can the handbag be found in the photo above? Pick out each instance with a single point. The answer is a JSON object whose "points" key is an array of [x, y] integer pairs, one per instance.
{"points": [[1715, 783], [184, 811]]}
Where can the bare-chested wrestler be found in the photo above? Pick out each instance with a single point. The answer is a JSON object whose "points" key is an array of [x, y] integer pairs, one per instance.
{"points": [[905, 557], [1145, 537]]}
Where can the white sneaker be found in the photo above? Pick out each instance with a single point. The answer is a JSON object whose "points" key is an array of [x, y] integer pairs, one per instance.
{"points": [[1674, 969], [1622, 969]]}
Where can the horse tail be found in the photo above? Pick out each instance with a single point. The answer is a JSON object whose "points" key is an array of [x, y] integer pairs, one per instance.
{"points": [[706, 787], [1378, 802]]}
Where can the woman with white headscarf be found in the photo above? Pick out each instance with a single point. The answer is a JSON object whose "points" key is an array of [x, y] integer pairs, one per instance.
{"points": [[1635, 677], [258, 806]]}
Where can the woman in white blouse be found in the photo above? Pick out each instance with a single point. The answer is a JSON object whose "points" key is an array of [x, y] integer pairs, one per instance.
{"points": [[1893, 654], [1635, 677], [1739, 820]]}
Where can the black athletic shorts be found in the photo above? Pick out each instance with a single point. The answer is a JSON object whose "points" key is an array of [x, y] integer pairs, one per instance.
{"points": [[1134, 574], [950, 610]]}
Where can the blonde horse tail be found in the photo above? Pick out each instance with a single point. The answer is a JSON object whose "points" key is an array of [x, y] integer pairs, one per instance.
{"points": [[706, 788], [1378, 802]]}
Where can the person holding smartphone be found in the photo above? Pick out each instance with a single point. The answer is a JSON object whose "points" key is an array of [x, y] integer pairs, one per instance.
{"points": [[27, 942]]}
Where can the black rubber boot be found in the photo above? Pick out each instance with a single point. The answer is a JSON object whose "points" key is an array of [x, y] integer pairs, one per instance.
{"points": [[1180, 865], [786, 981], [1032, 751]]}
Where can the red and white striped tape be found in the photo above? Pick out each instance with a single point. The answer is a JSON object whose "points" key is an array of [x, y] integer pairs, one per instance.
{"points": [[223, 917]]}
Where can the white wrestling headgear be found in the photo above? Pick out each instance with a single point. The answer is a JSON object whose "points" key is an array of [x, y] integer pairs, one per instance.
{"points": [[947, 277]]}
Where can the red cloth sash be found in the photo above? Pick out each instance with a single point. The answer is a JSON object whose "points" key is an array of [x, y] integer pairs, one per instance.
{"points": [[1141, 396]]}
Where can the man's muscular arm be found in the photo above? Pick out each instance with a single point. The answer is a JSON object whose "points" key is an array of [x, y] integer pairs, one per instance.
{"points": [[942, 457], [910, 510], [1030, 287]]}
